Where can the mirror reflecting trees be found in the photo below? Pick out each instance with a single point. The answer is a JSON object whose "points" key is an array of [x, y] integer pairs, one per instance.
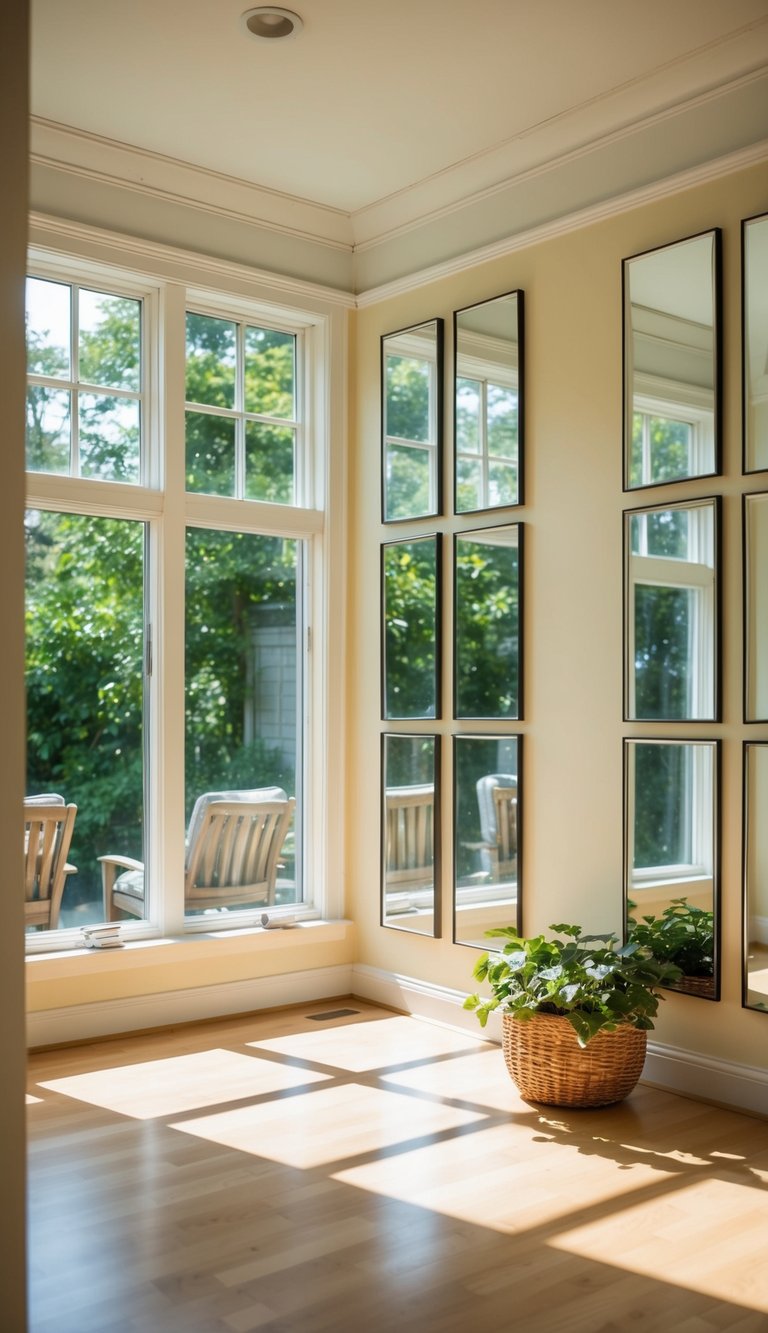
{"points": [[488, 416], [755, 994], [672, 362], [671, 612], [755, 342], [487, 827], [756, 607], [671, 857], [412, 404], [409, 833], [410, 574], [488, 622]]}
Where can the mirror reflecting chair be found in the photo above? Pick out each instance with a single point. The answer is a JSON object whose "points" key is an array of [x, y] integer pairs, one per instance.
{"points": [[409, 833], [48, 828], [497, 804], [233, 848]]}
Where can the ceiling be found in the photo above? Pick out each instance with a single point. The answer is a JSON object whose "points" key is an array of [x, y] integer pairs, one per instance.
{"points": [[380, 114]]}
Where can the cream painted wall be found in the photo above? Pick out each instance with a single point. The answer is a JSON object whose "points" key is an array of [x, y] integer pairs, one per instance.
{"points": [[573, 599], [13, 166]]}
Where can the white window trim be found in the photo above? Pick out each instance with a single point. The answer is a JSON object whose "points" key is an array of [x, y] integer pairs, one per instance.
{"points": [[171, 285], [700, 800]]}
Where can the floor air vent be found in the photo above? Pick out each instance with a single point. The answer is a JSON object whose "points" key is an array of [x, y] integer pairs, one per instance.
{"points": [[332, 1013]]}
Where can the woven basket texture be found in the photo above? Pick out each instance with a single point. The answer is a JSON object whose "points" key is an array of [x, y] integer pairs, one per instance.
{"points": [[695, 986], [545, 1060]]}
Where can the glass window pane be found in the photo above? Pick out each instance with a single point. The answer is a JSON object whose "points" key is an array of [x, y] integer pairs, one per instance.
{"points": [[668, 533], [502, 484], [110, 340], [408, 479], [210, 453], [109, 437], [211, 361], [48, 328], [502, 421], [269, 462], [664, 633], [48, 429], [467, 416], [670, 448], [85, 680], [411, 639], [469, 485], [410, 771], [243, 699], [407, 399], [487, 622], [663, 815], [270, 372], [487, 836]]}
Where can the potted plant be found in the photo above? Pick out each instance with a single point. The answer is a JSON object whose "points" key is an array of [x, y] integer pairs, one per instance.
{"points": [[683, 935], [575, 1012]]}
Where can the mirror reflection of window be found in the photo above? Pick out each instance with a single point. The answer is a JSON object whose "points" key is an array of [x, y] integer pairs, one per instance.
{"points": [[671, 856], [487, 824], [410, 598], [409, 840], [488, 622], [412, 395], [488, 404], [755, 344], [756, 607], [671, 627], [671, 362], [756, 875]]}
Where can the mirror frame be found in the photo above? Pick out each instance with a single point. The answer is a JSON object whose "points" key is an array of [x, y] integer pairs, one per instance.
{"points": [[715, 746], [486, 736], [437, 510], [745, 309], [717, 361], [388, 924], [435, 539], [491, 509], [749, 651], [475, 717], [748, 746], [628, 658]]}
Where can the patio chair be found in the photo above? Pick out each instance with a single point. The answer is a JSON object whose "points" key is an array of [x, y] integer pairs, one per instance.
{"points": [[497, 805], [233, 847], [48, 828], [409, 838]]}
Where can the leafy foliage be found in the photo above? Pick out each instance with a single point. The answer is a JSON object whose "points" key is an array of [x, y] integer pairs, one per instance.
{"points": [[683, 935], [584, 978]]}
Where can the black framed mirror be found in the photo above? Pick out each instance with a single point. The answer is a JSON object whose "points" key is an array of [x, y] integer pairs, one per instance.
{"points": [[671, 856], [410, 841], [488, 622], [672, 612], [412, 421], [755, 558], [487, 860], [410, 599], [672, 362], [755, 863], [488, 404], [754, 307]]}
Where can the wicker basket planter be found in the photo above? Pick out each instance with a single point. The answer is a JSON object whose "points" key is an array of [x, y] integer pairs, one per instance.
{"points": [[546, 1062]]}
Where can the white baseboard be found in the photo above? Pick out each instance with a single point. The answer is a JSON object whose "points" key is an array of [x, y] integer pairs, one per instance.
{"points": [[79, 1022], [691, 1075]]}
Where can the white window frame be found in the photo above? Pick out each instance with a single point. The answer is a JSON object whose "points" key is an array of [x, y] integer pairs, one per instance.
{"points": [[673, 401], [700, 799], [483, 371], [169, 283]]}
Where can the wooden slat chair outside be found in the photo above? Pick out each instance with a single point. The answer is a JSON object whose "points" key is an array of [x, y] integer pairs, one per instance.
{"points": [[232, 857], [409, 837], [48, 832], [497, 802]]}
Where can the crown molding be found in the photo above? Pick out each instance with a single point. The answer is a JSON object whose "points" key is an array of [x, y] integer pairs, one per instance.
{"points": [[92, 157], [569, 222], [173, 263]]}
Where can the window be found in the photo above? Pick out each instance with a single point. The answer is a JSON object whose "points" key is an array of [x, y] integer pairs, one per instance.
{"points": [[671, 791], [411, 373], [671, 439], [487, 433], [176, 548]]}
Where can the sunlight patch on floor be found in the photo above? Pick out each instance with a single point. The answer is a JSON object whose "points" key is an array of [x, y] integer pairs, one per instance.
{"points": [[181, 1083], [363, 1046], [312, 1129]]}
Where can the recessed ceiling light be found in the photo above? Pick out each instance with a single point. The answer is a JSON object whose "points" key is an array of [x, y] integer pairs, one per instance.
{"points": [[269, 24]]}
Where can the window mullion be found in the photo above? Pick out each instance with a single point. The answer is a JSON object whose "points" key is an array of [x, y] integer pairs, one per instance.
{"points": [[74, 412]]}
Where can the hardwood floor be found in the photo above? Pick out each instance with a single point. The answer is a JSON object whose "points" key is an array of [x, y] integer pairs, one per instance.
{"points": [[373, 1172]]}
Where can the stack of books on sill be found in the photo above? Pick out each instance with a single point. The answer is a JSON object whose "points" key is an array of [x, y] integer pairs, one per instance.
{"points": [[103, 937]]}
